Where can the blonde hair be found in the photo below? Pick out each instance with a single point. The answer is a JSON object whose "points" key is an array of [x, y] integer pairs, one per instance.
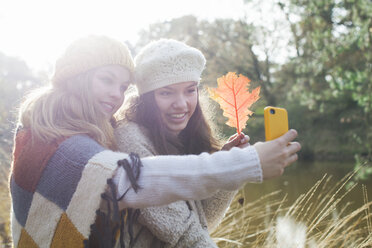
{"points": [[68, 109]]}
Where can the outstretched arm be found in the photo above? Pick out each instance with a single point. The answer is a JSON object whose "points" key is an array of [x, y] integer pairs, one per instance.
{"points": [[165, 179]]}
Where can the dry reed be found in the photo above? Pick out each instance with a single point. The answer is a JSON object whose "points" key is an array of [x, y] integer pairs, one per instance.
{"points": [[318, 218]]}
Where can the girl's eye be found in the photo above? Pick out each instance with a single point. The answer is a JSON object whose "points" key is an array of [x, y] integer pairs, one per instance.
{"points": [[165, 93], [106, 80], [191, 90]]}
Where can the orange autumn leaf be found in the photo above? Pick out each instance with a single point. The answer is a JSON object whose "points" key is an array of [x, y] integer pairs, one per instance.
{"points": [[234, 98]]}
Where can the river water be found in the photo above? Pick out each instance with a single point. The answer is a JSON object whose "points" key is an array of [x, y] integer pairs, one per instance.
{"points": [[301, 176]]}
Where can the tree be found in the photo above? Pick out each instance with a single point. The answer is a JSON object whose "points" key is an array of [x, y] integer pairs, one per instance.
{"points": [[333, 63]]}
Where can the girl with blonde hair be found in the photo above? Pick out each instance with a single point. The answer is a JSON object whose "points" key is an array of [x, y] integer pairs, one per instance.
{"points": [[69, 186]]}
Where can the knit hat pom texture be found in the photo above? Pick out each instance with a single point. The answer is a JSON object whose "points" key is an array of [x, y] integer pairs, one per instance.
{"points": [[166, 62]]}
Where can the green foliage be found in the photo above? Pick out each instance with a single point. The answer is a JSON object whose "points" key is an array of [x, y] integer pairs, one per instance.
{"points": [[333, 66]]}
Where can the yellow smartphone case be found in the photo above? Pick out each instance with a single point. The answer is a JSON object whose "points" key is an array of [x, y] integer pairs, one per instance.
{"points": [[276, 122]]}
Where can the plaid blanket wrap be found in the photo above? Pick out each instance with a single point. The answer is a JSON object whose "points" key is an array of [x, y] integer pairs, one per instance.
{"points": [[56, 189]]}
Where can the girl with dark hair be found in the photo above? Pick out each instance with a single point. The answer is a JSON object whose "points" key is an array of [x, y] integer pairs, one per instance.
{"points": [[166, 118]]}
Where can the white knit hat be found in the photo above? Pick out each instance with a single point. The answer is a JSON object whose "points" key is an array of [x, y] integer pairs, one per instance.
{"points": [[165, 62]]}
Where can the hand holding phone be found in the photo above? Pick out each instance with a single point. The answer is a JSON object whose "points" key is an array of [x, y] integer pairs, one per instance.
{"points": [[276, 122]]}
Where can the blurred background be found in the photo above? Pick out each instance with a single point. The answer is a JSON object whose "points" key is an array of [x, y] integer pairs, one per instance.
{"points": [[313, 58]]}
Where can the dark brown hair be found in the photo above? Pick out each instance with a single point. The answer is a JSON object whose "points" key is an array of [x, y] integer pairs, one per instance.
{"points": [[194, 139]]}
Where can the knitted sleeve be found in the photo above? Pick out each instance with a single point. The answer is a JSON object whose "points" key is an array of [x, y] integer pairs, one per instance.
{"points": [[165, 179]]}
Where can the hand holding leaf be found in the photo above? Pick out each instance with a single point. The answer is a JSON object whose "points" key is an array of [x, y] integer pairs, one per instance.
{"points": [[234, 98]]}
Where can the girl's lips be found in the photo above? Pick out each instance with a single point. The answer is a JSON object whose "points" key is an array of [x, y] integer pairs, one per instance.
{"points": [[178, 118], [108, 107]]}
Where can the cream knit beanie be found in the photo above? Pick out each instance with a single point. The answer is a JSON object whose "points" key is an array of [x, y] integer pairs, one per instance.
{"points": [[90, 52], [165, 62]]}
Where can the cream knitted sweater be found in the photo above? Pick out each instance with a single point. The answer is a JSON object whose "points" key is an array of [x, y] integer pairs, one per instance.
{"points": [[179, 224]]}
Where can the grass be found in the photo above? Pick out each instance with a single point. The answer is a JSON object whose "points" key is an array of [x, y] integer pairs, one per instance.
{"points": [[318, 218]]}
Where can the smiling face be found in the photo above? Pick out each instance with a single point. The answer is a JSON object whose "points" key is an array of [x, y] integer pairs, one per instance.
{"points": [[177, 104], [108, 86]]}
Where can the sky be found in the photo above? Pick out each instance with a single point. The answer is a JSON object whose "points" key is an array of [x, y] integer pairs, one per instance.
{"points": [[38, 31]]}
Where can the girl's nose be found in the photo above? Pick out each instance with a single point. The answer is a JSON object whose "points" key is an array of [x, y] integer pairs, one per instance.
{"points": [[116, 93], [180, 102]]}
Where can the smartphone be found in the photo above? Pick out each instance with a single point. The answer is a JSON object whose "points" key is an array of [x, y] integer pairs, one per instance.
{"points": [[276, 122]]}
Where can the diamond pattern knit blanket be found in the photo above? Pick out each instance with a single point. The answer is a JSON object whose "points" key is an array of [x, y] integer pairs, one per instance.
{"points": [[56, 189]]}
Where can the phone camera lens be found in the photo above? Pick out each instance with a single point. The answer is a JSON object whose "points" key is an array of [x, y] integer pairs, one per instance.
{"points": [[272, 111]]}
